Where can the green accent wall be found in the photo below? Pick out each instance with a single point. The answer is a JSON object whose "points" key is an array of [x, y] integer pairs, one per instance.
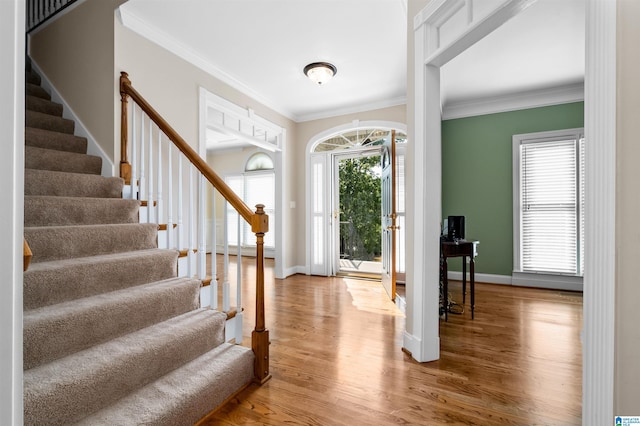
{"points": [[477, 176]]}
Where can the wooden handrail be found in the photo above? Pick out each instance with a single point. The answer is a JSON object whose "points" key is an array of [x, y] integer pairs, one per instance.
{"points": [[26, 255], [259, 221], [127, 89]]}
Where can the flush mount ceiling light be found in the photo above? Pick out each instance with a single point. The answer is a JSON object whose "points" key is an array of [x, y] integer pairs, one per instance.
{"points": [[320, 72]]}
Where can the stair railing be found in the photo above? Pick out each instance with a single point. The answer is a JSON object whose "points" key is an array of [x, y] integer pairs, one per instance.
{"points": [[39, 11], [164, 167]]}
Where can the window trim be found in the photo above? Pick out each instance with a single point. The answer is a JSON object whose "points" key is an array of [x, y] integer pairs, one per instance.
{"points": [[528, 278]]}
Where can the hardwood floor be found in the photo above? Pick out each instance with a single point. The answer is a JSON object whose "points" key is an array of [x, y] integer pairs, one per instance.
{"points": [[336, 359]]}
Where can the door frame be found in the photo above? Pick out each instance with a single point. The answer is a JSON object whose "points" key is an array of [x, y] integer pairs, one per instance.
{"points": [[424, 183], [309, 184], [334, 238]]}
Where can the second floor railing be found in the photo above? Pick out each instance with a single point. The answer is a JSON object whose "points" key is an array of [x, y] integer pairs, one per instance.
{"points": [[162, 169], [39, 11]]}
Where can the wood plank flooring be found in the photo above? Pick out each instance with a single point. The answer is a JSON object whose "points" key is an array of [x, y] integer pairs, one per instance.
{"points": [[336, 359]]}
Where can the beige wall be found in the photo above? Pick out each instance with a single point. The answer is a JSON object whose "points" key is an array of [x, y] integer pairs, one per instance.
{"points": [[172, 85], [627, 338], [76, 53]]}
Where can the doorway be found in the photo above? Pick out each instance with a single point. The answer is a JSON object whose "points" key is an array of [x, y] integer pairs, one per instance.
{"points": [[357, 211], [344, 225]]}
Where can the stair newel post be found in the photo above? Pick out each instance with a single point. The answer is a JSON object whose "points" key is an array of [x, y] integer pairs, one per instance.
{"points": [[260, 335], [125, 167]]}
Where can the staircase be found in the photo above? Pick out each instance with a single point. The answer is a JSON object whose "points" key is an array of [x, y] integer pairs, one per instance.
{"points": [[112, 336]]}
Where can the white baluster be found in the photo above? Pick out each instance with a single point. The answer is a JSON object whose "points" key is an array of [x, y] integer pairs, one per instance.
{"points": [[179, 236], [239, 314], [192, 215], [159, 206], [239, 262], [226, 304], [142, 182], [150, 206], [214, 263], [134, 154], [202, 235], [170, 196]]}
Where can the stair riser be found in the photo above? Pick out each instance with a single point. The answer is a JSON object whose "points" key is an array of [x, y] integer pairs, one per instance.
{"points": [[59, 330], [54, 140], [60, 161], [100, 376], [49, 122], [58, 211], [65, 242], [32, 77], [72, 279], [45, 182], [37, 104], [212, 378], [35, 90]]}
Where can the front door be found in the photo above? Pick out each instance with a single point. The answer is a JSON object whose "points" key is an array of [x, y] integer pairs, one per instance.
{"points": [[389, 216]]}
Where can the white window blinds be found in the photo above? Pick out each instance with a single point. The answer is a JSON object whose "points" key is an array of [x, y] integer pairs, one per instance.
{"points": [[551, 188]]}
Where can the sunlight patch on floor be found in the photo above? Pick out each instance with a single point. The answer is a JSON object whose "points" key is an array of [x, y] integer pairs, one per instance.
{"points": [[370, 296]]}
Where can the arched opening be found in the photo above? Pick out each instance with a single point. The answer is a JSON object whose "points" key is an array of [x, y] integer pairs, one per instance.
{"points": [[344, 199]]}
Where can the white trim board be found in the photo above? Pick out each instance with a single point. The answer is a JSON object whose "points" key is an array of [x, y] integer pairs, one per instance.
{"points": [[520, 279], [481, 278]]}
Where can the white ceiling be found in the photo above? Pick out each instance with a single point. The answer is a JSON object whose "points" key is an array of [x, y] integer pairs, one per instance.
{"points": [[261, 47]]}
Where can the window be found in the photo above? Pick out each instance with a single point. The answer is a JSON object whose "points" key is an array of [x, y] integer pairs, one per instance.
{"points": [[255, 186], [549, 202]]}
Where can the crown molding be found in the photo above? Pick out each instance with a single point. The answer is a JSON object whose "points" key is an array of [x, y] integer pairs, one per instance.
{"points": [[402, 100], [134, 23], [514, 101]]}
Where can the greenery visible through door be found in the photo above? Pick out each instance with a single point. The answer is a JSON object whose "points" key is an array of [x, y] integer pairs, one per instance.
{"points": [[360, 203]]}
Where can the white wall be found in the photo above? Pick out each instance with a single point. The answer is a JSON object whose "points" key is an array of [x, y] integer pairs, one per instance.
{"points": [[12, 17]]}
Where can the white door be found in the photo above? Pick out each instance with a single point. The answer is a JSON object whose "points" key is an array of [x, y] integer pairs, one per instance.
{"points": [[389, 216]]}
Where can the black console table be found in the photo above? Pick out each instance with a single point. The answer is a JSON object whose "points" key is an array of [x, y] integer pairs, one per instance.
{"points": [[464, 249]]}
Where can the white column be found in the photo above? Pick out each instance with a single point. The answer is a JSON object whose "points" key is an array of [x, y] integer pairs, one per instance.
{"points": [[12, 84], [600, 216]]}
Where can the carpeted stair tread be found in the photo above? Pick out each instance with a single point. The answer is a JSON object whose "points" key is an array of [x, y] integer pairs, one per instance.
{"points": [[109, 331], [48, 283], [65, 390], [45, 106], [55, 331], [36, 90], [54, 140], [64, 242], [47, 182], [32, 77], [46, 210], [48, 122], [61, 161], [185, 395]]}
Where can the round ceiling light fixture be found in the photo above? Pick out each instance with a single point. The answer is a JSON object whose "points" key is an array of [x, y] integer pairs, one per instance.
{"points": [[320, 72]]}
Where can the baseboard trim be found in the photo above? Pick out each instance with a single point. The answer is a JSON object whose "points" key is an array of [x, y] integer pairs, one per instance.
{"points": [[295, 270], [80, 129], [522, 279], [553, 282], [482, 278]]}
